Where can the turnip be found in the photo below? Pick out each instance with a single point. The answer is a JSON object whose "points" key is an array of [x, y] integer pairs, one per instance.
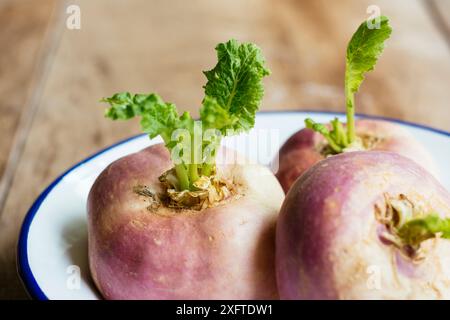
{"points": [[318, 141], [306, 147], [177, 221], [364, 225]]}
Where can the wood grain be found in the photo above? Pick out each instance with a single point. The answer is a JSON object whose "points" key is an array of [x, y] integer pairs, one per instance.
{"points": [[402, 85], [147, 46], [23, 30], [23, 26], [440, 10]]}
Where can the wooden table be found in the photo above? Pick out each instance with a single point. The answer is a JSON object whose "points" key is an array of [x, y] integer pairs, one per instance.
{"points": [[52, 78]]}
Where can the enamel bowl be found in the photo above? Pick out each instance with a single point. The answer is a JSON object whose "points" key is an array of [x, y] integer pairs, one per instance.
{"points": [[52, 249]]}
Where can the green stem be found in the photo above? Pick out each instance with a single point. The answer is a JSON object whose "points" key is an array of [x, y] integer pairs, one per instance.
{"points": [[180, 169], [210, 163], [350, 115], [341, 134], [336, 148], [323, 130], [193, 172], [182, 175], [418, 230], [196, 149], [207, 169]]}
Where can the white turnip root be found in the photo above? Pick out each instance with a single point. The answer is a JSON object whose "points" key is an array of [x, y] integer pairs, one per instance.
{"points": [[141, 249], [364, 225]]}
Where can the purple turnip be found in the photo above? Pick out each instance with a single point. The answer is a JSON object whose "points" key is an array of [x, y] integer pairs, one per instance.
{"points": [[364, 225], [306, 147], [180, 220], [139, 248]]}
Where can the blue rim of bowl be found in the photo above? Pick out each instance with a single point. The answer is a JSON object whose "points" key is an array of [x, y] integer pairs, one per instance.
{"points": [[23, 266]]}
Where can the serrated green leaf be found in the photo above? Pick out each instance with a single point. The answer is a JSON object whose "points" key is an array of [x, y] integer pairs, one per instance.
{"points": [[236, 82], [157, 116], [213, 116], [233, 93], [124, 106]]}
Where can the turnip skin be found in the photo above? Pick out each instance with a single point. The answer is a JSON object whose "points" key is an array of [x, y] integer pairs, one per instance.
{"points": [[224, 252], [301, 150], [327, 241]]}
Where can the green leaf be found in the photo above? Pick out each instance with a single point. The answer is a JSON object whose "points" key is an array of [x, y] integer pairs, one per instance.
{"points": [[126, 106], [162, 119], [157, 116], [236, 83], [363, 51], [233, 93], [417, 230], [213, 116]]}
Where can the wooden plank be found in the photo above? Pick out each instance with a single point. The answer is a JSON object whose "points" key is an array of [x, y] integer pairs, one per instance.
{"points": [[146, 46], [22, 33], [440, 11], [410, 81], [23, 25]]}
